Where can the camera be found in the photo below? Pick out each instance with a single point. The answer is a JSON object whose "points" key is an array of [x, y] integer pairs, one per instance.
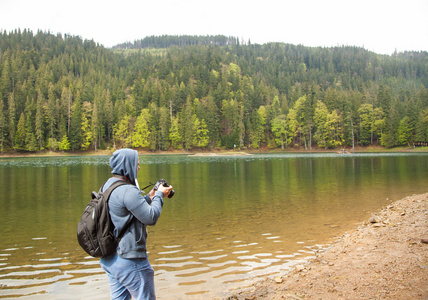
{"points": [[165, 184]]}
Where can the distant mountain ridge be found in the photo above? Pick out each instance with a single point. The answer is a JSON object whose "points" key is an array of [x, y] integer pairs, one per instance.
{"points": [[166, 41]]}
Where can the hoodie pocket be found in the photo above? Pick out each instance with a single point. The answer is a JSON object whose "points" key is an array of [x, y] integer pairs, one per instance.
{"points": [[140, 234]]}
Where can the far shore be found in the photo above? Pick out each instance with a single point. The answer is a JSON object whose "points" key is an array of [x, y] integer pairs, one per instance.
{"points": [[220, 152]]}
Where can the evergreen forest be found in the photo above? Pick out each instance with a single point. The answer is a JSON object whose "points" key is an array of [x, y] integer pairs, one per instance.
{"points": [[61, 93]]}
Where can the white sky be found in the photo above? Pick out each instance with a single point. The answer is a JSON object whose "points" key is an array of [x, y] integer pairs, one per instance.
{"points": [[377, 25]]}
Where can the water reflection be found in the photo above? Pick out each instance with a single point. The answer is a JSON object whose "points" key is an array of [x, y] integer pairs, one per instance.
{"points": [[233, 219]]}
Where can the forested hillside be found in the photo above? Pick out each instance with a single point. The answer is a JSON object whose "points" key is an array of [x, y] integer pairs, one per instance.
{"points": [[59, 92], [168, 41]]}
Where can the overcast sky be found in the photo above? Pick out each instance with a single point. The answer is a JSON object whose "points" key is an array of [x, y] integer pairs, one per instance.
{"points": [[381, 26]]}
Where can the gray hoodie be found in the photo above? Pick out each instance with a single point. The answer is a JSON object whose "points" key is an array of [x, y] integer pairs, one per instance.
{"points": [[126, 204]]}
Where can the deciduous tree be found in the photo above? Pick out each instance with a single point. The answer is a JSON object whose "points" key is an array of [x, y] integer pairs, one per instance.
{"points": [[279, 129], [141, 134]]}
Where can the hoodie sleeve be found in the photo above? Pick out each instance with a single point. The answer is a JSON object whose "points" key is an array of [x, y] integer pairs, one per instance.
{"points": [[146, 213]]}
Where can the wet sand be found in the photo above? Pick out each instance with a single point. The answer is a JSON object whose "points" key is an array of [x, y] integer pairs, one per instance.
{"points": [[385, 257]]}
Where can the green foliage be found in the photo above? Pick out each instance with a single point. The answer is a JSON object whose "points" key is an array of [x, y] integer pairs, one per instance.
{"points": [[199, 92], [21, 133], [167, 41], [64, 144], [52, 144], [321, 116], [421, 134], [279, 129], [86, 133], [122, 132], [77, 127], [3, 127], [141, 134], [174, 134], [334, 130], [201, 133], [404, 134], [366, 124]]}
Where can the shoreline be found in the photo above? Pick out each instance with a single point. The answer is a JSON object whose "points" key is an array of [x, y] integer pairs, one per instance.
{"points": [[384, 257], [221, 152]]}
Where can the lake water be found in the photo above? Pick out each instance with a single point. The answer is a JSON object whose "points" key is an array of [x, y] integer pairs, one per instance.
{"points": [[232, 221]]}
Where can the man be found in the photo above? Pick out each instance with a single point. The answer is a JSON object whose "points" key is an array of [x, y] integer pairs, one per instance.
{"points": [[128, 270]]}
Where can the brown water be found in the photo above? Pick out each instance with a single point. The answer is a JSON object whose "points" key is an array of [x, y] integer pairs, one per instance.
{"points": [[233, 220]]}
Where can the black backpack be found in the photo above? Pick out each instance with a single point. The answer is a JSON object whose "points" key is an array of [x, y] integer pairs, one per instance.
{"points": [[95, 229]]}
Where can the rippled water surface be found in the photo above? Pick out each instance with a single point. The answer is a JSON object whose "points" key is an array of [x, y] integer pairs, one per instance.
{"points": [[233, 220]]}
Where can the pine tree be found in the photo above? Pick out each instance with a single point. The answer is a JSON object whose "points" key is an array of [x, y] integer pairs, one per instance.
{"points": [[96, 124], [30, 143], [275, 109], [122, 132], [366, 124], [164, 124], [422, 96], [378, 123], [66, 102], [241, 127], [212, 119], [404, 133], [12, 119], [422, 127], [201, 133], [175, 135], [154, 127], [39, 121], [389, 137], [52, 112], [3, 126], [20, 134], [231, 122], [188, 125], [76, 138], [257, 128], [293, 124], [6, 78], [384, 99], [109, 114]]}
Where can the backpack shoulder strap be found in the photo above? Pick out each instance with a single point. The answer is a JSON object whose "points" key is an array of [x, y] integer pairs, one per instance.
{"points": [[107, 193], [110, 189]]}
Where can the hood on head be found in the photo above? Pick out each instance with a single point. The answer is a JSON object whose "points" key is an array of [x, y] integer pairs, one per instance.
{"points": [[125, 162]]}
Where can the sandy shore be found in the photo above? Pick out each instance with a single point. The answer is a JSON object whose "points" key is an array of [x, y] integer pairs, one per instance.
{"points": [[218, 152], [386, 257], [221, 154]]}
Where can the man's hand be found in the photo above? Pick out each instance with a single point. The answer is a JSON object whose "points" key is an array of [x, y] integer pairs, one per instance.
{"points": [[165, 190]]}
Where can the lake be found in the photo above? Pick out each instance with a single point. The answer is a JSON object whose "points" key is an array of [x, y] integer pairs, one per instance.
{"points": [[233, 220]]}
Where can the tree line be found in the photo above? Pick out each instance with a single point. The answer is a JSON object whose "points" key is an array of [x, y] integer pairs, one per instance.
{"points": [[167, 41], [59, 92]]}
